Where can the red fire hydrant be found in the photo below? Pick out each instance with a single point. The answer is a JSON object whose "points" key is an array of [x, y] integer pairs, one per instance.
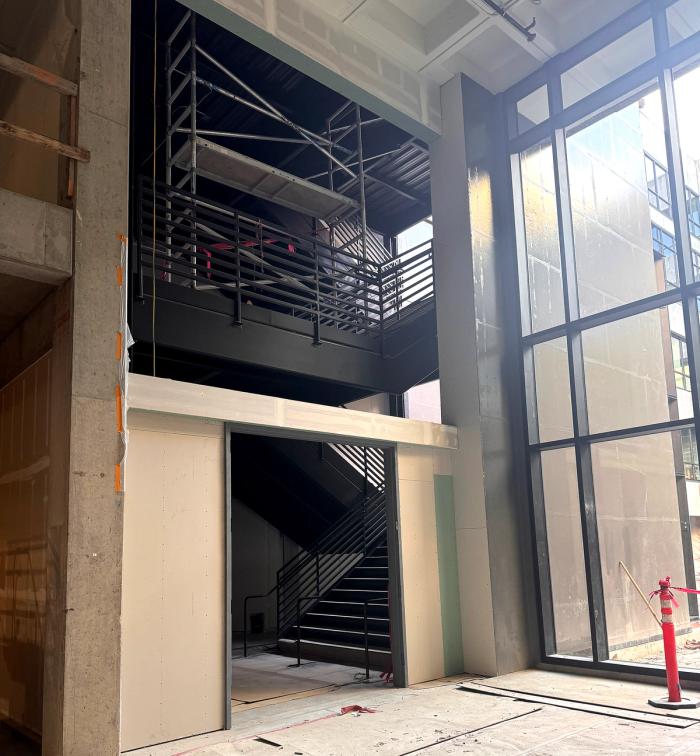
{"points": [[674, 700]]}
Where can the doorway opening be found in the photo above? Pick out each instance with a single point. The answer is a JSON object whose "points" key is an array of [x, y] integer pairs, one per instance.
{"points": [[313, 584]]}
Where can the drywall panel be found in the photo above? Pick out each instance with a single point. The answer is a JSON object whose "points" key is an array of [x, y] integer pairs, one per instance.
{"points": [[24, 494], [173, 598], [420, 575], [272, 415]]}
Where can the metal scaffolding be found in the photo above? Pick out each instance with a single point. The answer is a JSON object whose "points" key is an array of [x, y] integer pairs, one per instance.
{"points": [[192, 151]]}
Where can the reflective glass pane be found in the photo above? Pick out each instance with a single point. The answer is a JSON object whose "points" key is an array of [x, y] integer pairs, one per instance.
{"points": [[608, 64], [636, 371], [553, 390], [683, 19], [542, 238], [687, 86], [644, 507], [619, 191], [532, 109], [565, 549]]}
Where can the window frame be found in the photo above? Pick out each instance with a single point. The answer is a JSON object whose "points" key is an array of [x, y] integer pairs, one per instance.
{"points": [[655, 73]]}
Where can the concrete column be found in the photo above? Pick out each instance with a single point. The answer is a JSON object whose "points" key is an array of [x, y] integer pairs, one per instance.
{"points": [[477, 352], [82, 677]]}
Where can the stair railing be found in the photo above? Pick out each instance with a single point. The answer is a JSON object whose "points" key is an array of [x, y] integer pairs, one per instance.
{"points": [[319, 567]]}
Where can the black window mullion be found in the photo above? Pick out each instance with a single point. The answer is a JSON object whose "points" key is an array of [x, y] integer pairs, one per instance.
{"points": [[584, 467], [544, 573]]}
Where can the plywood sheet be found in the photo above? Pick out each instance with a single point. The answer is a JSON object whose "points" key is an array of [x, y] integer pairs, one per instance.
{"points": [[250, 685], [173, 606], [24, 496]]}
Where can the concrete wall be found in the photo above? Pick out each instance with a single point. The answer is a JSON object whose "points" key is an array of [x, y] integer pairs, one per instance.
{"points": [[174, 600], [40, 247], [472, 254], [82, 678]]}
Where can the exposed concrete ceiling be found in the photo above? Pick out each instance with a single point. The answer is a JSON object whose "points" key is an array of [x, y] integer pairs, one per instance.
{"points": [[438, 38], [391, 56], [18, 297]]}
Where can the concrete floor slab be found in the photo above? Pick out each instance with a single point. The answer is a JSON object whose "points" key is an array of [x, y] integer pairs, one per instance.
{"points": [[437, 720]]}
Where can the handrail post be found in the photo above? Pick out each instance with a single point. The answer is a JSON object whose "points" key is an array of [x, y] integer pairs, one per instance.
{"points": [[139, 237], [366, 643], [238, 319], [365, 470], [318, 574], [245, 627], [299, 632], [317, 282], [364, 526], [380, 279]]}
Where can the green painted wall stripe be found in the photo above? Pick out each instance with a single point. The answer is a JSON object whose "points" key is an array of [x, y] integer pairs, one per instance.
{"points": [[448, 575], [228, 19]]}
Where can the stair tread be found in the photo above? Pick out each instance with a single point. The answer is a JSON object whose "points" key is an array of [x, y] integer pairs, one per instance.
{"points": [[351, 603], [341, 630], [347, 616], [349, 646]]}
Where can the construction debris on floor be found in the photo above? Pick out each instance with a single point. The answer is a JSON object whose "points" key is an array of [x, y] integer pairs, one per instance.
{"points": [[533, 712]]}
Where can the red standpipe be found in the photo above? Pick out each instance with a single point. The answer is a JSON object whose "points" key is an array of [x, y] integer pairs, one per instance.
{"points": [[675, 699]]}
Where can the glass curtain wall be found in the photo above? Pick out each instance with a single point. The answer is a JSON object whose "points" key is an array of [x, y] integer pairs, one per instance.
{"points": [[606, 185]]}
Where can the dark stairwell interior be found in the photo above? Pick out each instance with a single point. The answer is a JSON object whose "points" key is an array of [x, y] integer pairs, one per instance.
{"points": [[324, 595]]}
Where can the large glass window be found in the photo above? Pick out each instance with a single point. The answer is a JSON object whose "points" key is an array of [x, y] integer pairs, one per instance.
{"points": [[615, 483], [687, 86], [626, 371], [638, 496], [572, 630], [542, 238], [553, 391], [618, 188]]}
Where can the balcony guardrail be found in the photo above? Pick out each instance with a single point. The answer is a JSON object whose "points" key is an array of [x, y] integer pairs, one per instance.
{"points": [[187, 240]]}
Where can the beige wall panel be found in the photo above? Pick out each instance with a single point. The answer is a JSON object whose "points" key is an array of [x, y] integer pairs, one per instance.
{"points": [[419, 563], [173, 611], [273, 414]]}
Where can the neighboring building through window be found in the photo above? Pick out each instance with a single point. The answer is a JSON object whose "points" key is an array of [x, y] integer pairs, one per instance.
{"points": [[657, 185], [664, 247], [691, 465], [681, 368]]}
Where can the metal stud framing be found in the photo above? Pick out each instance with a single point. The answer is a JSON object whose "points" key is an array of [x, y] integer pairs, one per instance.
{"points": [[653, 73]]}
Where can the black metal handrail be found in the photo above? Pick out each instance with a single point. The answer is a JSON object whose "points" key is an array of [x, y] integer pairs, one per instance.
{"points": [[312, 597], [319, 567], [367, 602], [245, 614], [188, 240], [328, 561]]}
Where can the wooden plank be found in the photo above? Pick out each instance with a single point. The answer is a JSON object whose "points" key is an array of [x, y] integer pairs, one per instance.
{"points": [[608, 711], [25, 135], [40, 75]]}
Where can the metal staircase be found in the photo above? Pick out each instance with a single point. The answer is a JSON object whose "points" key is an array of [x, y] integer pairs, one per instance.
{"points": [[333, 597]]}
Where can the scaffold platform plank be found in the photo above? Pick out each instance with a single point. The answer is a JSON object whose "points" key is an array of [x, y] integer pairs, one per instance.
{"points": [[264, 181]]}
